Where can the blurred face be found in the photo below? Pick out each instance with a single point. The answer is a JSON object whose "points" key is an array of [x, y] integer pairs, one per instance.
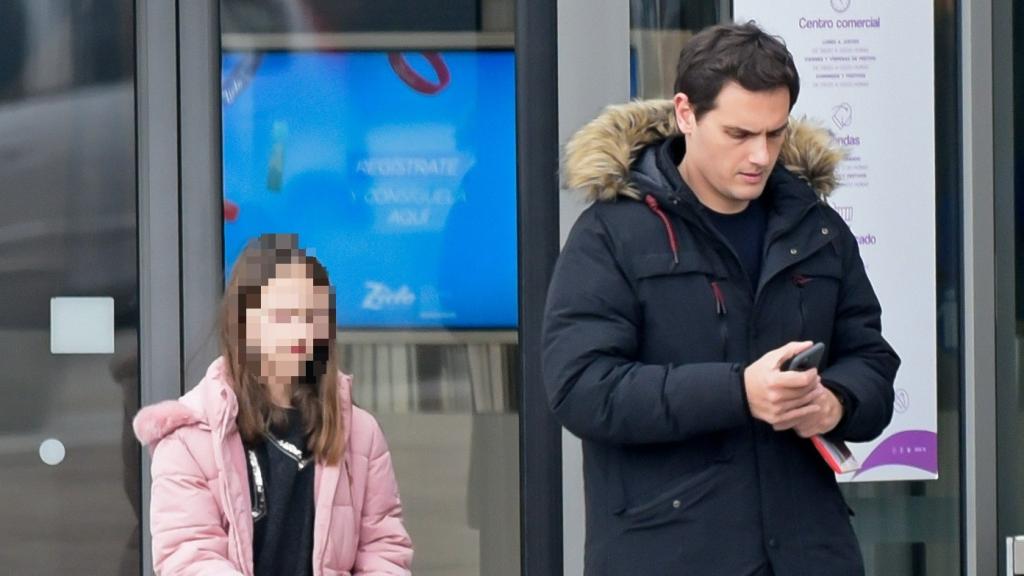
{"points": [[732, 149], [293, 315]]}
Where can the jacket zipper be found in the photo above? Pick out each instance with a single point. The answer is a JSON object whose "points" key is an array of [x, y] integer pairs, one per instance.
{"points": [[723, 322], [800, 281]]}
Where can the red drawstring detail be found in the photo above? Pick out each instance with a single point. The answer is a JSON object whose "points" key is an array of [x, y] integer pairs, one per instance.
{"points": [[719, 298], [800, 280], [653, 205]]}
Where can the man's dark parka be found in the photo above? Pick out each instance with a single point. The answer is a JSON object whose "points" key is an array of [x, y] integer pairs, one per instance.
{"points": [[650, 323]]}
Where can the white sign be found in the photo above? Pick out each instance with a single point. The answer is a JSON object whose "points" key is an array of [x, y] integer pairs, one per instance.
{"points": [[866, 74], [82, 325]]}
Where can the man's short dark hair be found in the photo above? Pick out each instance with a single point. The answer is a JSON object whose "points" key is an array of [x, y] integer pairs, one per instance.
{"points": [[742, 53]]}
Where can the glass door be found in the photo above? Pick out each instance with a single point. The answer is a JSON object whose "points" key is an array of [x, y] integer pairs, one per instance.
{"points": [[69, 463], [1009, 266]]}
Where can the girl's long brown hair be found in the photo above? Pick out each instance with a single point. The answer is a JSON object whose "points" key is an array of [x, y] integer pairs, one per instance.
{"points": [[315, 394]]}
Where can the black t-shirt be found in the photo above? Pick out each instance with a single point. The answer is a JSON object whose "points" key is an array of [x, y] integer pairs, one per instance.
{"points": [[283, 510], [745, 232]]}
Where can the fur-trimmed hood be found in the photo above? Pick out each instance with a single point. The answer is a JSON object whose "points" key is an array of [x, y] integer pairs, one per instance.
{"points": [[600, 156], [211, 405]]}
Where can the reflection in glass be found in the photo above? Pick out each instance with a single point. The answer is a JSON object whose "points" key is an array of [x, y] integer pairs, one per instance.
{"points": [[67, 228]]}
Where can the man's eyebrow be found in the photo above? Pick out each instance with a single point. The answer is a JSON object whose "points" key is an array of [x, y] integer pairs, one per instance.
{"points": [[745, 132]]}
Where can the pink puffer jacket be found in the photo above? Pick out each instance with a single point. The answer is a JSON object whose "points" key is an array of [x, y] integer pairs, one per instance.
{"points": [[200, 510]]}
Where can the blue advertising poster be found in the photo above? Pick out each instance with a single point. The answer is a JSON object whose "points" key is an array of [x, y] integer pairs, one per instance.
{"points": [[397, 169]]}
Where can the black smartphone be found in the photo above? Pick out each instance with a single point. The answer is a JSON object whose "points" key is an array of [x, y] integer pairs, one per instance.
{"points": [[805, 360]]}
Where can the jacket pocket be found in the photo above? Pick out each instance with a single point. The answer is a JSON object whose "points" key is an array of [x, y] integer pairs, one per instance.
{"points": [[817, 283], [655, 265], [681, 306], [674, 503]]}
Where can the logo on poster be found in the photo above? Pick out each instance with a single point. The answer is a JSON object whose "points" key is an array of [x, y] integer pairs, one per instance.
{"points": [[842, 115], [380, 296], [841, 5], [902, 403]]}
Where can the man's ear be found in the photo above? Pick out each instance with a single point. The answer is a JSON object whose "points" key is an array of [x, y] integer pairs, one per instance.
{"points": [[686, 119]]}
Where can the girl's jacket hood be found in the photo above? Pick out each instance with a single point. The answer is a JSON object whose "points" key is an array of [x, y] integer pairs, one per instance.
{"points": [[600, 158]]}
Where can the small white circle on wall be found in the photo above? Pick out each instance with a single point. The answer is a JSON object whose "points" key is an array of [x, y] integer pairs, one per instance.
{"points": [[51, 451]]}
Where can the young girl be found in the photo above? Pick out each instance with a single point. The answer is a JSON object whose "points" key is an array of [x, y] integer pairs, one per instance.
{"points": [[266, 467]]}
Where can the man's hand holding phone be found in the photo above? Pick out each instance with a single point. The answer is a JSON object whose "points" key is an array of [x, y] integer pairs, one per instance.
{"points": [[784, 389], [782, 397]]}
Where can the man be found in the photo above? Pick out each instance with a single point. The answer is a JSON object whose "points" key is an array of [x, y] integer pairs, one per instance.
{"points": [[702, 266]]}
